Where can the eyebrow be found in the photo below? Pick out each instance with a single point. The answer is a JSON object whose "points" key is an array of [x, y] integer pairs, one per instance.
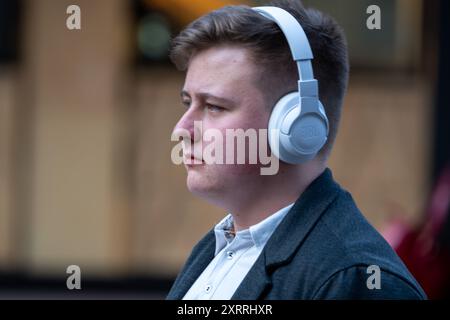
{"points": [[206, 95]]}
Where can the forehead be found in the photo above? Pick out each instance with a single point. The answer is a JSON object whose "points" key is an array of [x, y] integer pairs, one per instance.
{"points": [[224, 70]]}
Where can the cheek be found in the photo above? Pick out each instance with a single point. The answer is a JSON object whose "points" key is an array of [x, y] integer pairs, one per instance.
{"points": [[246, 147], [233, 171], [243, 157]]}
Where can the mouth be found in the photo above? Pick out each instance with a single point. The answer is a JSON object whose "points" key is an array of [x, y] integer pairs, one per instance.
{"points": [[190, 161]]}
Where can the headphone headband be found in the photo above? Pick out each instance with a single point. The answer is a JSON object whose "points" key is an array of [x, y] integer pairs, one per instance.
{"points": [[299, 117], [299, 45], [291, 28]]}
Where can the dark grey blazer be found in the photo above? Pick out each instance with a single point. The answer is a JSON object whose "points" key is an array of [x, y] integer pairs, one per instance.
{"points": [[321, 250]]}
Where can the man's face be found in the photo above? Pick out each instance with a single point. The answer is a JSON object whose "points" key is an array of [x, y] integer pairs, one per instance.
{"points": [[220, 91]]}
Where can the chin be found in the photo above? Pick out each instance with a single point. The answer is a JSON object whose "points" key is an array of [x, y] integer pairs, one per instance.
{"points": [[204, 186], [197, 184]]}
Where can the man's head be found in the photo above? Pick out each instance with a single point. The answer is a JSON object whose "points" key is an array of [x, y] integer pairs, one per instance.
{"points": [[237, 54], [268, 49]]}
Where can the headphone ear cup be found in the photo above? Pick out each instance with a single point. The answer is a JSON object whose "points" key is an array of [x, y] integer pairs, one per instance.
{"points": [[322, 111], [301, 135], [283, 106]]}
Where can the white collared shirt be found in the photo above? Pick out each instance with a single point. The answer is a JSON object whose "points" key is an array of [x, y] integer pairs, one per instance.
{"points": [[234, 257]]}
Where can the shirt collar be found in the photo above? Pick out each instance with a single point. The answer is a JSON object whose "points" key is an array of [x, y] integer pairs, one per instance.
{"points": [[259, 233]]}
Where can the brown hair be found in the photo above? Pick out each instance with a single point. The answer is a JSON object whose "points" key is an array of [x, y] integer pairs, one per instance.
{"points": [[242, 26]]}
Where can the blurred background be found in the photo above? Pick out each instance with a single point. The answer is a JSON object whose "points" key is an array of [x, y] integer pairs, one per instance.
{"points": [[85, 120]]}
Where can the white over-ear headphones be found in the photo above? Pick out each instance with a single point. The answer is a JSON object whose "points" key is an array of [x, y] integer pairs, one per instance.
{"points": [[299, 116]]}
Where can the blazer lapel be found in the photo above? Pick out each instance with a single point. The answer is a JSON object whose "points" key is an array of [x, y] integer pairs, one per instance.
{"points": [[289, 235]]}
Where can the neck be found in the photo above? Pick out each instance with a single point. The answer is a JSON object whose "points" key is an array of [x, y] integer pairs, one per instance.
{"points": [[272, 193]]}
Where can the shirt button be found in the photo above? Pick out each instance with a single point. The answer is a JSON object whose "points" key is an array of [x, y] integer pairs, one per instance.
{"points": [[230, 254], [208, 288]]}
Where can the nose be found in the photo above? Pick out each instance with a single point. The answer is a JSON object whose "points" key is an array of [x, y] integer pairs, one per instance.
{"points": [[187, 126]]}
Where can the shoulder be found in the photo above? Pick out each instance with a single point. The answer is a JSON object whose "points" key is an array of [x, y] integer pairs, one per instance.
{"points": [[365, 282], [348, 253]]}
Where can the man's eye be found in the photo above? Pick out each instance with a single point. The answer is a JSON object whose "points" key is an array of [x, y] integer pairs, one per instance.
{"points": [[187, 104], [214, 108]]}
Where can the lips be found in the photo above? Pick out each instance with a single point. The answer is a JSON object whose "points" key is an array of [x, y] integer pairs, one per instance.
{"points": [[191, 160]]}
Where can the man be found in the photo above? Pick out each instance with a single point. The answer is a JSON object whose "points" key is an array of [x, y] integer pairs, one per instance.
{"points": [[295, 234]]}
